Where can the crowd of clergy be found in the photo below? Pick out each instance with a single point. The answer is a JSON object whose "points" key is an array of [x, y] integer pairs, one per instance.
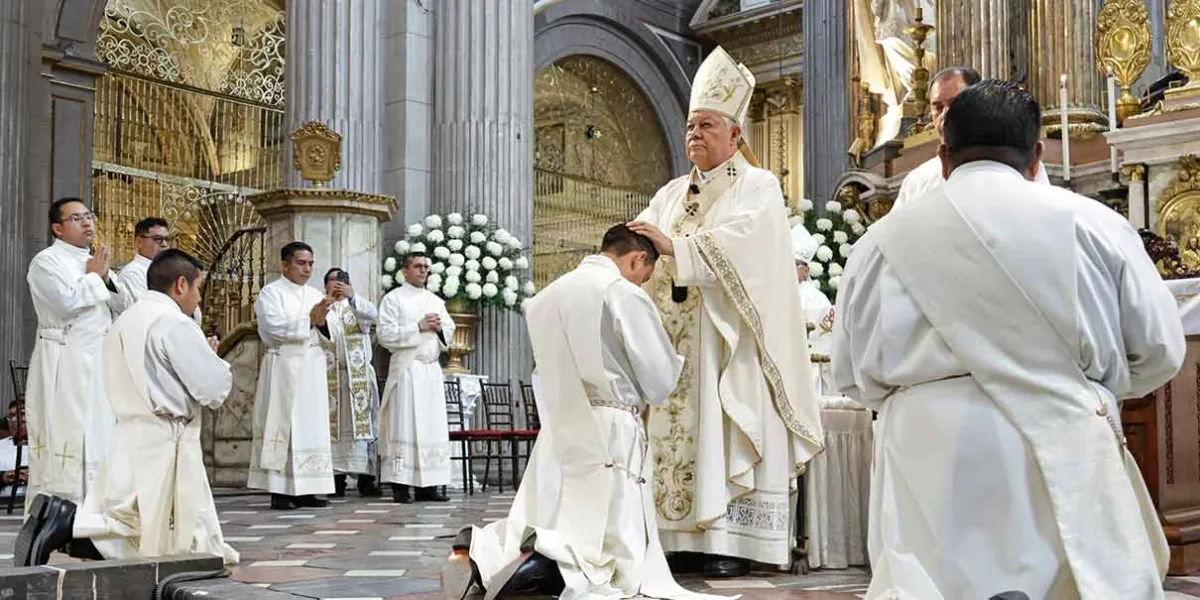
{"points": [[992, 322]]}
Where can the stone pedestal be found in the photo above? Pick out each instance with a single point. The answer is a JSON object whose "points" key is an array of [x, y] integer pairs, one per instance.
{"points": [[1153, 148]]}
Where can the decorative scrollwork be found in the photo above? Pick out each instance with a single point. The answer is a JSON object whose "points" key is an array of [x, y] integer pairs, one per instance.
{"points": [[1183, 38], [1123, 47], [1165, 255]]}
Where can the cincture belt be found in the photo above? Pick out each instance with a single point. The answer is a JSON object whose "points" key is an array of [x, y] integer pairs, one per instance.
{"points": [[601, 403], [54, 334], [276, 350]]}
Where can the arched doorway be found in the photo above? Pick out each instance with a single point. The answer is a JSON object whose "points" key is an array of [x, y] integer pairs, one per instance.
{"points": [[599, 155]]}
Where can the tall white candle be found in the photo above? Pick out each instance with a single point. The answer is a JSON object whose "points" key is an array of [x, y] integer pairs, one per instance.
{"points": [[1066, 137], [1112, 118]]}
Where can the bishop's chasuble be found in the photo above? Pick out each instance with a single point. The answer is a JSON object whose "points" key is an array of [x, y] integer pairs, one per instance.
{"points": [[151, 496], [735, 434], [290, 453], [602, 357], [353, 391], [69, 418], [414, 435], [994, 324]]}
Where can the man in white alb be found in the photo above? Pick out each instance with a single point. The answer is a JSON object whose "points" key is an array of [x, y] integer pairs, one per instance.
{"points": [[74, 294], [582, 524], [353, 391], [945, 85], [151, 237], [151, 497], [736, 432], [995, 324], [414, 436], [818, 311], [290, 455]]}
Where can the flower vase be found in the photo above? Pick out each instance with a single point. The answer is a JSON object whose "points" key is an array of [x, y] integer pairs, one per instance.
{"points": [[465, 315]]}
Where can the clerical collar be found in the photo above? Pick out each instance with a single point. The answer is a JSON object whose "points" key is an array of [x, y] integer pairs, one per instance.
{"points": [[291, 283], [138, 258], [731, 169], [600, 260], [161, 298], [69, 248]]}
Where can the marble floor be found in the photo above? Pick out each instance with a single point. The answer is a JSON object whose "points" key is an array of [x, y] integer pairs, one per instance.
{"points": [[373, 548]]}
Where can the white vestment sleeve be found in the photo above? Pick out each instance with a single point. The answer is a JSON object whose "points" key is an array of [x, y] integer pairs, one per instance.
{"points": [[63, 295], [856, 305], [755, 195], [120, 299], [364, 311], [656, 367], [447, 327], [275, 325], [653, 212], [203, 374], [393, 334]]}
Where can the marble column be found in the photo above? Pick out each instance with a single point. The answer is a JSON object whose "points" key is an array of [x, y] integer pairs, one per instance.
{"points": [[826, 98], [483, 144], [333, 74], [987, 35], [407, 108], [1062, 40]]}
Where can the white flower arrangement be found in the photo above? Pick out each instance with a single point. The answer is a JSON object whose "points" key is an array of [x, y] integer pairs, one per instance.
{"points": [[835, 232], [470, 259]]}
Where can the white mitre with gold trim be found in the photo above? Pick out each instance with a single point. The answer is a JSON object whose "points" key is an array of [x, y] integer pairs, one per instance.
{"points": [[722, 86]]}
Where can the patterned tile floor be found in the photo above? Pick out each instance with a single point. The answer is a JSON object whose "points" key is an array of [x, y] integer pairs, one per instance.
{"points": [[373, 548]]}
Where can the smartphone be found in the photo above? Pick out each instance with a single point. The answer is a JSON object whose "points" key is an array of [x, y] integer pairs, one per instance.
{"points": [[343, 277]]}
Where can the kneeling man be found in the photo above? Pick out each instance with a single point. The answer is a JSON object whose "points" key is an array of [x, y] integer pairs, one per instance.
{"points": [[582, 524], [151, 496]]}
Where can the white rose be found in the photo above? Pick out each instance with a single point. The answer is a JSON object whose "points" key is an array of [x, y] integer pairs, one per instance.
{"points": [[501, 236], [433, 221], [492, 277], [433, 287], [834, 281], [456, 232], [415, 229], [833, 206], [851, 216], [479, 220], [454, 219], [477, 237], [418, 247], [835, 269], [472, 252], [845, 250], [495, 248], [815, 269], [529, 288], [451, 281], [437, 267], [456, 260], [510, 297], [488, 263], [490, 290], [472, 277], [401, 247], [824, 254], [521, 262], [389, 264], [450, 288], [441, 252], [454, 245], [473, 291], [858, 228], [504, 263], [840, 237], [472, 265], [819, 238], [435, 236], [434, 279], [387, 282], [514, 243], [806, 205], [452, 272], [511, 283], [824, 224]]}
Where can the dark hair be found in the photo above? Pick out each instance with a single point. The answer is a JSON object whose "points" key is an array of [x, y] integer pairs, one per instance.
{"points": [[408, 258], [14, 403], [145, 225], [620, 240], [969, 76], [56, 207], [168, 266], [993, 120], [330, 272], [286, 253]]}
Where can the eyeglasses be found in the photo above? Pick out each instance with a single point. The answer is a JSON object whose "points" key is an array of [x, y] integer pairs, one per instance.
{"points": [[158, 239], [79, 218]]}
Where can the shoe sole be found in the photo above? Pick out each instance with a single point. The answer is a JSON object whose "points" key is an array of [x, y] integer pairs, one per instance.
{"points": [[458, 576], [23, 549]]}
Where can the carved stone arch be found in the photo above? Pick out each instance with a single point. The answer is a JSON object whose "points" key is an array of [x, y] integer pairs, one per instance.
{"points": [[73, 25], [866, 191]]}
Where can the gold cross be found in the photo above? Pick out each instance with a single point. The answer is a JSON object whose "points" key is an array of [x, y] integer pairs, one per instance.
{"points": [[66, 454], [275, 441], [36, 448]]}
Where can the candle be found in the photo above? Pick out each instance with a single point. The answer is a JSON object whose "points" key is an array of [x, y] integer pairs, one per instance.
{"points": [[920, 12], [1112, 118], [1066, 137]]}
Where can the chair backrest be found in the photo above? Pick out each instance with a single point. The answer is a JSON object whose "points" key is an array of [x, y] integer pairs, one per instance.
{"points": [[498, 406], [454, 407], [19, 375], [531, 413]]}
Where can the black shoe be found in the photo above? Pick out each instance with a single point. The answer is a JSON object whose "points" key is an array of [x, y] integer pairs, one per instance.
{"points": [[310, 501], [339, 485], [726, 566], [367, 487], [59, 519], [1013, 595], [83, 548], [432, 494], [401, 494], [531, 574], [282, 502], [23, 549]]}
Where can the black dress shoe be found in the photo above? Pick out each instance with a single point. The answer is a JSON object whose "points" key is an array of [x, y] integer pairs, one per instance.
{"points": [[431, 494], [726, 566], [1012, 595], [59, 519], [282, 502], [23, 549], [401, 494], [532, 573], [310, 501], [367, 487], [83, 548], [339, 485]]}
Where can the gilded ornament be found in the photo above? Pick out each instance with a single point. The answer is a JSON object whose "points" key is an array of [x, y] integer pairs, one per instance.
{"points": [[1134, 172], [1179, 212], [316, 152], [1123, 47], [917, 102], [1183, 43]]}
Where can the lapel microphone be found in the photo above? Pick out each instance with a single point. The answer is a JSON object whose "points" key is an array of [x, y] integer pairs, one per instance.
{"points": [[693, 188]]}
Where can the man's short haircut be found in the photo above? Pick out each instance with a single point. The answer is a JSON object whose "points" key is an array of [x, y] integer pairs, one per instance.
{"points": [[56, 208], [993, 120], [411, 256], [145, 225], [620, 240], [287, 252], [168, 266], [969, 76], [329, 273]]}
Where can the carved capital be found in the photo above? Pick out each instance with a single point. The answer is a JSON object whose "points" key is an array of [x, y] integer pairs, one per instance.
{"points": [[1135, 172]]}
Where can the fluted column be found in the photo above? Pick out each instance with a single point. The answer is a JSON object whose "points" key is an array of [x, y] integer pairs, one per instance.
{"points": [[1061, 40], [826, 98], [333, 75], [987, 35], [482, 143]]}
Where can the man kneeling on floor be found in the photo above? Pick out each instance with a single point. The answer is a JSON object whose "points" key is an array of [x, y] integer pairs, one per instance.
{"points": [[582, 524], [151, 496]]}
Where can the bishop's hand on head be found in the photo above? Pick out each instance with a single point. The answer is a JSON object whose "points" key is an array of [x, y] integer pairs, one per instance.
{"points": [[661, 242]]}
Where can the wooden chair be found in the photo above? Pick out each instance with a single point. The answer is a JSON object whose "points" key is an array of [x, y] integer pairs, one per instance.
{"points": [[19, 375], [531, 414], [464, 437], [500, 411]]}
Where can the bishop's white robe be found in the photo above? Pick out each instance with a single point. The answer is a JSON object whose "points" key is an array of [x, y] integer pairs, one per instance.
{"points": [[602, 357], [414, 435], [132, 282], [353, 390], [69, 418], [291, 452], [818, 310], [928, 177], [736, 432], [151, 496], [1004, 320]]}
